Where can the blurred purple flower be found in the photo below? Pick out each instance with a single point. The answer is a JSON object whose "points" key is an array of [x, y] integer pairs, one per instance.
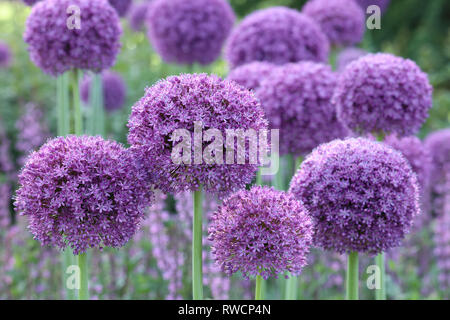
{"points": [[5, 55], [348, 55], [251, 75], [137, 15], [121, 6]]}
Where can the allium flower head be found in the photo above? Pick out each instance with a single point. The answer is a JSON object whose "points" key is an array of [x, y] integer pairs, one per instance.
{"points": [[343, 21], [56, 48], [121, 6], [362, 195], [278, 35], [297, 100], [261, 232], [176, 103], [136, 16], [188, 32], [30, 2], [383, 4], [5, 55], [348, 55], [383, 93], [251, 74], [114, 90], [82, 192]]}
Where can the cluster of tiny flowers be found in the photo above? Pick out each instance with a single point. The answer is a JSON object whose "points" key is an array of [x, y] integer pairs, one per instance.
{"points": [[121, 6], [84, 192], [5, 55], [348, 55], [343, 21], [137, 15], [114, 90], [251, 74], [176, 103], [297, 100], [261, 232], [362, 195], [383, 93], [188, 32], [55, 47], [278, 35], [383, 4], [438, 144], [32, 132]]}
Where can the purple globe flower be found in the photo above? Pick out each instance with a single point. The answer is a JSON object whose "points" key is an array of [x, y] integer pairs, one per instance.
{"points": [[348, 55], [383, 4], [383, 93], [56, 48], [297, 100], [278, 35], [83, 192], [176, 103], [261, 232], [251, 74], [343, 21], [5, 55], [121, 6], [114, 90], [136, 16], [188, 32], [30, 2], [362, 195]]}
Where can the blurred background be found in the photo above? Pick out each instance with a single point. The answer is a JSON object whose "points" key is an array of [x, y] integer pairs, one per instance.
{"points": [[416, 29]]}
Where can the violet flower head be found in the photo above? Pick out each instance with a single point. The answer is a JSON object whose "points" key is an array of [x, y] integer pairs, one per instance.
{"points": [[278, 35], [348, 55], [5, 55], [137, 15], [121, 6], [188, 32], [184, 102], [251, 74], [343, 21], [383, 4], [83, 192], [30, 2], [114, 90], [383, 93], [362, 195], [297, 100], [56, 48], [261, 232]]}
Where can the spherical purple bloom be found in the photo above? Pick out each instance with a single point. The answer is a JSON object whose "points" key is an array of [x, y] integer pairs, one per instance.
{"points": [[121, 6], [261, 232], [5, 55], [30, 2], [343, 21], [383, 4], [56, 48], [114, 90], [251, 74], [297, 100], [188, 32], [362, 195], [136, 15], [383, 93], [278, 35], [177, 103], [348, 55], [82, 192]]}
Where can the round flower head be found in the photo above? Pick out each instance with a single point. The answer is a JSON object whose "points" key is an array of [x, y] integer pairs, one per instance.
{"points": [[30, 2], [92, 44], [348, 55], [136, 16], [114, 90], [277, 35], [382, 4], [362, 195], [383, 93], [185, 102], [343, 21], [188, 32], [416, 153], [121, 6], [297, 100], [84, 192], [261, 232], [5, 55], [251, 74]]}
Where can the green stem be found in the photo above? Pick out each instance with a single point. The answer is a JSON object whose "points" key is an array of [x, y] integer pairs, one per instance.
{"points": [[77, 117], [83, 293], [97, 119], [258, 178], [352, 276], [380, 294], [197, 233], [68, 260], [258, 288], [291, 288]]}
